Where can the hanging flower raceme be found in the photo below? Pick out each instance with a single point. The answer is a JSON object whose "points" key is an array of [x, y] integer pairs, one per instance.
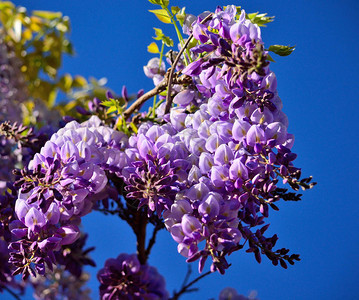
{"points": [[238, 136], [157, 166], [125, 278], [209, 169], [61, 185], [7, 215]]}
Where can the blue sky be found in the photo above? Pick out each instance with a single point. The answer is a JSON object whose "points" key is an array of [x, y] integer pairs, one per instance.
{"points": [[319, 87]]}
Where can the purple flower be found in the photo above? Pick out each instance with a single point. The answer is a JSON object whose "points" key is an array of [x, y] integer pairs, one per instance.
{"points": [[255, 135], [126, 278], [194, 68], [34, 219], [200, 33], [223, 155], [184, 98], [219, 175], [153, 68]]}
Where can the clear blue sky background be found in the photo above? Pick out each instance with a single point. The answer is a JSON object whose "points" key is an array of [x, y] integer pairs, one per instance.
{"points": [[318, 84]]}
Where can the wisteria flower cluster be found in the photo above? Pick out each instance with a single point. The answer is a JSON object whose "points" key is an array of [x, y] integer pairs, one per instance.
{"points": [[61, 185], [230, 125], [125, 278], [207, 162]]}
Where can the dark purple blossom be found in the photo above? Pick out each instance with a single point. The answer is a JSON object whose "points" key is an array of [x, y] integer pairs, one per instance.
{"points": [[125, 278]]}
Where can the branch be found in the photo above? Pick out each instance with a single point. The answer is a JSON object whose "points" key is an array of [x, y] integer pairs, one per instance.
{"points": [[140, 224], [11, 292], [186, 288], [152, 241], [169, 98], [158, 89], [184, 79], [188, 275]]}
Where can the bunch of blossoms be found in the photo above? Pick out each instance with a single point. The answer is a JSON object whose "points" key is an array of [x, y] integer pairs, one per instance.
{"points": [[125, 278], [230, 120], [19, 143], [157, 165], [7, 215], [60, 186], [207, 169]]}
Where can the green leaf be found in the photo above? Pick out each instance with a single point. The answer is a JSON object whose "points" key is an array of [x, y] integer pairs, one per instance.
{"points": [[270, 58], [52, 98], [158, 2], [181, 16], [79, 82], [260, 19], [153, 48], [168, 41], [281, 50], [162, 15], [159, 34], [107, 103], [175, 9], [65, 82], [134, 128], [161, 37], [49, 15], [111, 109], [6, 4]]}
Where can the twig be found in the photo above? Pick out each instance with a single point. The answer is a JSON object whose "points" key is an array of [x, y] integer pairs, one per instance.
{"points": [[186, 288], [140, 231], [170, 78], [158, 89], [152, 241], [184, 79], [188, 275], [11, 292]]}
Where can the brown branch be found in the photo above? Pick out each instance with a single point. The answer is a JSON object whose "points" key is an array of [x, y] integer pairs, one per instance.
{"points": [[152, 241], [186, 288], [140, 231], [11, 292], [158, 89], [169, 98]]}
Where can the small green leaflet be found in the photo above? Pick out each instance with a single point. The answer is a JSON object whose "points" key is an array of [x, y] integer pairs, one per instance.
{"points": [[113, 106], [270, 58], [281, 50], [162, 15], [181, 16], [161, 37], [260, 19], [160, 2], [49, 15], [153, 48], [175, 9]]}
